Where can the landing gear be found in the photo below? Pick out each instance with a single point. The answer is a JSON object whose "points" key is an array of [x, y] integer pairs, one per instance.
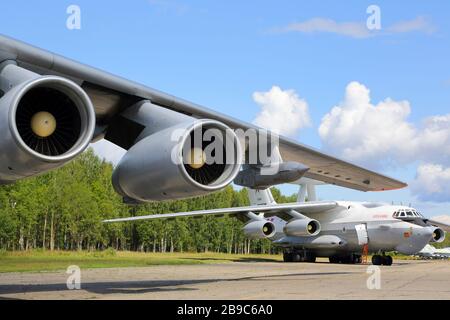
{"points": [[310, 257], [334, 259], [384, 260], [299, 256], [296, 257], [347, 259], [287, 257], [387, 260], [377, 260]]}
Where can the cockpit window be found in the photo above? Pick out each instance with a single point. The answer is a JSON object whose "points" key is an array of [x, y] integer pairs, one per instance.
{"points": [[403, 213]]}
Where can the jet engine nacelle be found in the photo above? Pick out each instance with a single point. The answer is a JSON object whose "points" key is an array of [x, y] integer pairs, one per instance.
{"points": [[438, 235], [172, 164], [45, 121], [302, 228], [260, 229]]}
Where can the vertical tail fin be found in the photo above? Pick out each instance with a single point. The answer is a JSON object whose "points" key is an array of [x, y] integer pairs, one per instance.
{"points": [[260, 197]]}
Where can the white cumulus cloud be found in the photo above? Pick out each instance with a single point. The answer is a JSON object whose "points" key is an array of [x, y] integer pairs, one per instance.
{"points": [[432, 183], [366, 133], [379, 135], [432, 142], [282, 111]]}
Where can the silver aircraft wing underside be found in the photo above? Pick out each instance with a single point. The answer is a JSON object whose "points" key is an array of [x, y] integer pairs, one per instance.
{"points": [[111, 95], [440, 224], [269, 210]]}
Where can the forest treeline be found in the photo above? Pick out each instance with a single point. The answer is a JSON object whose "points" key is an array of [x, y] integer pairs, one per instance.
{"points": [[64, 209]]}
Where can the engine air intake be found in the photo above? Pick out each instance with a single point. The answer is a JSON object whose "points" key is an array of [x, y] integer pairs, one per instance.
{"points": [[197, 162], [48, 121], [45, 121]]}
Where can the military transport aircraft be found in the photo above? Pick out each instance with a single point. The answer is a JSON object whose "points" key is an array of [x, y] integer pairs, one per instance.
{"points": [[339, 230], [52, 108], [430, 252]]}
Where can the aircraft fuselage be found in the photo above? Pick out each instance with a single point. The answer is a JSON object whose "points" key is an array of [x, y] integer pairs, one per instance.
{"points": [[339, 236]]}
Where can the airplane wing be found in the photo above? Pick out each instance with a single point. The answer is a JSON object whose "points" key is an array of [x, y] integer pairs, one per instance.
{"points": [[111, 95], [268, 210], [445, 225]]}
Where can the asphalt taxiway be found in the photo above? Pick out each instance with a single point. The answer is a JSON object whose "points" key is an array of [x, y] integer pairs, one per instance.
{"points": [[240, 280]]}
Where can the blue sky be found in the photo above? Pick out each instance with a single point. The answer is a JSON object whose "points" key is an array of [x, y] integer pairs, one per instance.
{"points": [[218, 53]]}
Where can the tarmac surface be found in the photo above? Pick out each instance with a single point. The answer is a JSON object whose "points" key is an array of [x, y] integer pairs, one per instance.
{"points": [[239, 280]]}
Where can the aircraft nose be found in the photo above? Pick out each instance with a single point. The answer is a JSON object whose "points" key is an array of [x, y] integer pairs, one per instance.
{"points": [[428, 232], [415, 239]]}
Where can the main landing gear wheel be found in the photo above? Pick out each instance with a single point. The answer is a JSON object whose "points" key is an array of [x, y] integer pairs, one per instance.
{"points": [[387, 260], [378, 260], [334, 259], [349, 259], [310, 257], [296, 257], [287, 257], [299, 257]]}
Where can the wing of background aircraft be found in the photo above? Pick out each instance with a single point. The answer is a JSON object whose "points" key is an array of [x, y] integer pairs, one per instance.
{"points": [[280, 210], [441, 222], [134, 117]]}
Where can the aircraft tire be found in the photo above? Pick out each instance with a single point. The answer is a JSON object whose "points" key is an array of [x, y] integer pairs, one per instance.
{"points": [[350, 259], [296, 257], [287, 257], [334, 259], [377, 260], [310, 257], [387, 260]]}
